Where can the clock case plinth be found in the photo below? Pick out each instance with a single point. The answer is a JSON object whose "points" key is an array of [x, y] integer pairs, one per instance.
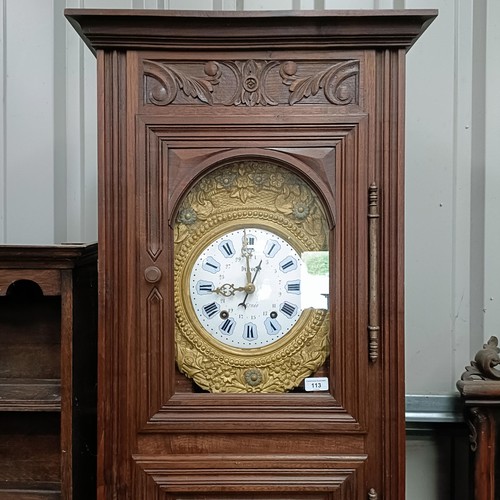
{"points": [[323, 94]]}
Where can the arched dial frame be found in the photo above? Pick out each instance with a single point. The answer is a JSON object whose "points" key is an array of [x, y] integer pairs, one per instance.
{"points": [[223, 204]]}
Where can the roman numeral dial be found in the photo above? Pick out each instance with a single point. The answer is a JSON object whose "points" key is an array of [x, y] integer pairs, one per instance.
{"points": [[246, 288]]}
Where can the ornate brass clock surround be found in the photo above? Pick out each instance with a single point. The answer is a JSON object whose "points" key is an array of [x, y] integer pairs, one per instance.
{"points": [[239, 194]]}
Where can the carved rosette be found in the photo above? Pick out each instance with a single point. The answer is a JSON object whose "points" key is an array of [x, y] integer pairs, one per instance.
{"points": [[251, 82], [253, 193]]}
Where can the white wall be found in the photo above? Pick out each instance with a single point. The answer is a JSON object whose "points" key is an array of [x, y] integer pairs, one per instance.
{"points": [[48, 160], [438, 232], [453, 176], [47, 132], [27, 129]]}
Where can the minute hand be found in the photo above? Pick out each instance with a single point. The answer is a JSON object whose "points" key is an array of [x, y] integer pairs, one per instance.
{"points": [[246, 252], [252, 289]]}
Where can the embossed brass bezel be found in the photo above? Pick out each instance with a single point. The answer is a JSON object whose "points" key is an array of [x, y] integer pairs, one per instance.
{"points": [[203, 242], [213, 365]]}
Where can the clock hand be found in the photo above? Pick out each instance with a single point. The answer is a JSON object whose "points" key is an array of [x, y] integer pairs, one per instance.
{"points": [[246, 252], [248, 273], [228, 289], [251, 286]]}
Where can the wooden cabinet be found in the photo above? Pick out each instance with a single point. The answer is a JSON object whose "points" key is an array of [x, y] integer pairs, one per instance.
{"points": [[48, 370], [480, 390], [215, 127]]}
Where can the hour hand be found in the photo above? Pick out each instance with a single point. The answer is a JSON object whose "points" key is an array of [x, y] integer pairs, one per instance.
{"points": [[228, 289], [250, 288]]}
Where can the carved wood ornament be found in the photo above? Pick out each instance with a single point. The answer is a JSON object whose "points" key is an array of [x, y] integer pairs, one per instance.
{"points": [[250, 82], [484, 365]]}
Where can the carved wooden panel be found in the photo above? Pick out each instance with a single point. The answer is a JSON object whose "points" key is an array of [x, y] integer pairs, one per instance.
{"points": [[154, 199], [261, 477], [329, 157], [251, 82]]}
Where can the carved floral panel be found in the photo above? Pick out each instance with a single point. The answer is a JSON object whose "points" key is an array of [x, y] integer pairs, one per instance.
{"points": [[251, 82]]}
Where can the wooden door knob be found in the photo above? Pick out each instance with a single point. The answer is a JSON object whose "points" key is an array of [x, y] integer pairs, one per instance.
{"points": [[152, 274]]}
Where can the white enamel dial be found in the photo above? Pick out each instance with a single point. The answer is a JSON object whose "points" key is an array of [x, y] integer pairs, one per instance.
{"points": [[245, 288]]}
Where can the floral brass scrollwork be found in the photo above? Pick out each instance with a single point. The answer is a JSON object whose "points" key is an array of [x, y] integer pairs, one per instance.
{"points": [[254, 194]]}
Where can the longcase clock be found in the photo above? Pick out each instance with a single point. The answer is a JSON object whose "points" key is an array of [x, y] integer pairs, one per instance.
{"points": [[251, 253]]}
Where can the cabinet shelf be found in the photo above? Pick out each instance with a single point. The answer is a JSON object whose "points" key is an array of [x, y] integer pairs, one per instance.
{"points": [[30, 491], [18, 394]]}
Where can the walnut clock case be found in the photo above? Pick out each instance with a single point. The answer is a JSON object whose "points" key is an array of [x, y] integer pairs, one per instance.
{"points": [[251, 237]]}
